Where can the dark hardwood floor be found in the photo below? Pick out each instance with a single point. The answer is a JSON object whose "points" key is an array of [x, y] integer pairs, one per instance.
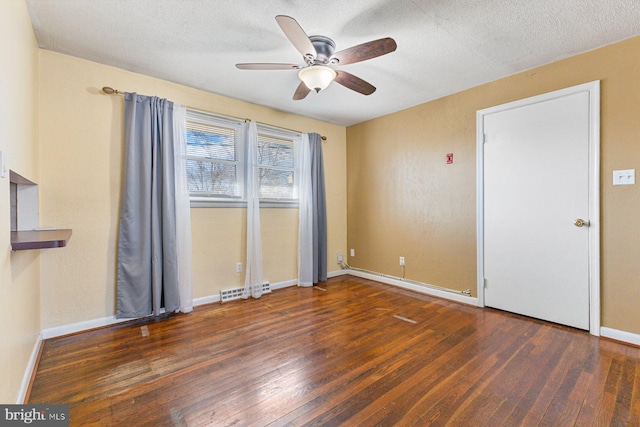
{"points": [[304, 356]]}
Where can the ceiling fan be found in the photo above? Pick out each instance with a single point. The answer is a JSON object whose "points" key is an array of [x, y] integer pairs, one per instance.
{"points": [[318, 54]]}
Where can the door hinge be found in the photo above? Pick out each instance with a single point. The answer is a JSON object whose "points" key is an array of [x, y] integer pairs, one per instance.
{"points": [[484, 283], [484, 138]]}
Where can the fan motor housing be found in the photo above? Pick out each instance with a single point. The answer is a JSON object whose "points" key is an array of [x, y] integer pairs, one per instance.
{"points": [[324, 49]]}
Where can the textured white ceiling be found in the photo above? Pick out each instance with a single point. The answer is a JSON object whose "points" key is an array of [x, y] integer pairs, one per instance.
{"points": [[444, 46]]}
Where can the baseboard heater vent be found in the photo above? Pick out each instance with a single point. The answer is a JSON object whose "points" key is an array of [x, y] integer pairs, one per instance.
{"points": [[227, 295]]}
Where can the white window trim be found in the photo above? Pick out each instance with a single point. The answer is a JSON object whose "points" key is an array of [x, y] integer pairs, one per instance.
{"points": [[238, 126], [296, 137], [208, 203], [241, 202]]}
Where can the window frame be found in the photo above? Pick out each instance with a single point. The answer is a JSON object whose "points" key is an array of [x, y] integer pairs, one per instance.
{"points": [[296, 139], [239, 127]]}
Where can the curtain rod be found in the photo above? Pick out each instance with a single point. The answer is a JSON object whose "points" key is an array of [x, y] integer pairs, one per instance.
{"points": [[111, 91]]}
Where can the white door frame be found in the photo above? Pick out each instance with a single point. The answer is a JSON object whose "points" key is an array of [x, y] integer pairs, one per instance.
{"points": [[593, 88]]}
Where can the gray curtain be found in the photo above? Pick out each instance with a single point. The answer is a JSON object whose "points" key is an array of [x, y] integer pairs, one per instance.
{"points": [[147, 255], [319, 210]]}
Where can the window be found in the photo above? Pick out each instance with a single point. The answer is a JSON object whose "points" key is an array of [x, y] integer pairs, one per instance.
{"points": [[276, 166], [216, 162], [215, 165]]}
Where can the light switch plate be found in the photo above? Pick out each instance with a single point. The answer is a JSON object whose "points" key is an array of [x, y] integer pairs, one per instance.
{"points": [[624, 177]]}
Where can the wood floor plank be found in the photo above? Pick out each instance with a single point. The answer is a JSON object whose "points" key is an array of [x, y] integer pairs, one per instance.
{"points": [[387, 368], [458, 378], [563, 409], [358, 353], [634, 410], [622, 408], [524, 386], [598, 365], [354, 400]]}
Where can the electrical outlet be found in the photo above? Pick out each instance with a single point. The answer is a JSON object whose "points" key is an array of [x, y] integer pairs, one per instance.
{"points": [[624, 177], [353, 252], [339, 260], [239, 267], [401, 260]]}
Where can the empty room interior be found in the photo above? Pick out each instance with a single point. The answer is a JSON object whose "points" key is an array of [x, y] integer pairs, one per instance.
{"points": [[395, 212]]}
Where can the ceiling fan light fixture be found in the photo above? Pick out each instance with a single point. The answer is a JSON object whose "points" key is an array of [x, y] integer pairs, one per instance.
{"points": [[317, 77]]}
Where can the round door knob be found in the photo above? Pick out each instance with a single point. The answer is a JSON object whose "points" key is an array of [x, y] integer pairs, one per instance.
{"points": [[580, 222]]}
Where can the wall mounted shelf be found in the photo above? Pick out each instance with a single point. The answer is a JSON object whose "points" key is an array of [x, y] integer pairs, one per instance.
{"points": [[39, 239], [25, 231]]}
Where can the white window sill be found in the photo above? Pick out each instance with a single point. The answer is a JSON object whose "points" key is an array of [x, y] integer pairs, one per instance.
{"points": [[199, 203]]}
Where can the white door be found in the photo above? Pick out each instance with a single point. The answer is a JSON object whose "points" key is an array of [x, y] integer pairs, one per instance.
{"points": [[538, 207]]}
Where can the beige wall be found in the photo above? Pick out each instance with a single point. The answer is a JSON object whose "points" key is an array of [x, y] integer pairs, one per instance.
{"points": [[403, 200], [59, 130], [19, 271], [80, 179]]}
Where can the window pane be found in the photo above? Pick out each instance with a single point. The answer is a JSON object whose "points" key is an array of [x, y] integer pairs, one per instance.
{"points": [[213, 165], [274, 151], [276, 160], [275, 183], [216, 159], [213, 178], [211, 142]]}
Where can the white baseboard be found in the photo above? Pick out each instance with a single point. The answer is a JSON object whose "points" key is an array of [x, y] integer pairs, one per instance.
{"points": [[112, 320], [28, 372], [285, 284], [58, 331], [337, 273], [618, 335], [206, 300], [413, 287]]}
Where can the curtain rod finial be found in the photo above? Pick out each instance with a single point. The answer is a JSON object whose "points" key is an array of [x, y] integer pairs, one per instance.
{"points": [[111, 91]]}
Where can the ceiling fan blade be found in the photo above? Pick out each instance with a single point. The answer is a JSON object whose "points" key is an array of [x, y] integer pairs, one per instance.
{"points": [[268, 66], [296, 35], [352, 82], [301, 92], [365, 51]]}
